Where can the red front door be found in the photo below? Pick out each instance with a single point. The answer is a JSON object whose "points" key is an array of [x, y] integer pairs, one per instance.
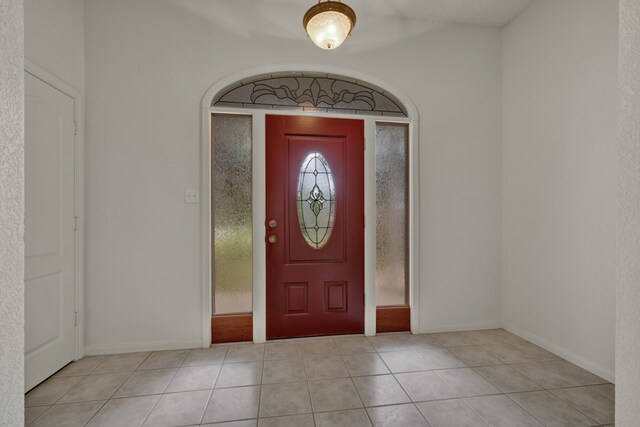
{"points": [[315, 226]]}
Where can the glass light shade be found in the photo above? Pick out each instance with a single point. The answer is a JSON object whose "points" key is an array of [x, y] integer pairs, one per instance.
{"points": [[329, 23], [329, 29]]}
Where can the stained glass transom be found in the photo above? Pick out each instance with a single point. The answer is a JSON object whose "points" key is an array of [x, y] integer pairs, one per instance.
{"points": [[316, 200], [311, 92]]}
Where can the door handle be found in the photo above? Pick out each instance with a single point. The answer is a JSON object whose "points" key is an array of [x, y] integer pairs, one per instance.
{"points": [[272, 239]]}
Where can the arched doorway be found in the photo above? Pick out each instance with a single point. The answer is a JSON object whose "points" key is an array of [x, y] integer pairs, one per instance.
{"points": [[255, 95]]}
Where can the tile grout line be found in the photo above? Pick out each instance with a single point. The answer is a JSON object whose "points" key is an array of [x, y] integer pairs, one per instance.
{"points": [[116, 390], [313, 412], [525, 409], [34, 420], [97, 400], [313, 418], [206, 406], [151, 411], [393, 374], [399, 383], [161, 394], [573, 406], [352, 383], [499, 389], [473, 410], [130, 375], [260, 391]]}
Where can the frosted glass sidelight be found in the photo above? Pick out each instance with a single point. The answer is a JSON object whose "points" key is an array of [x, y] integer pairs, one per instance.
{"points": [[391, 218], [231, 209], [316, 200]]}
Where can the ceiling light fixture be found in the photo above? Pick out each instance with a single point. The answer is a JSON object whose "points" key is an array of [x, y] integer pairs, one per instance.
{"points": [[329, 23]]}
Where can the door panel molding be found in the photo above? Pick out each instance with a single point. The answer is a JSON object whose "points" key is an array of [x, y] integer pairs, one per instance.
{"points": [[79, 185], [259, 250]]}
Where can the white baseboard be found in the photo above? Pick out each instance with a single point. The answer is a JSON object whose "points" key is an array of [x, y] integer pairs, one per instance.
{"points": [[474, 326], [99, 349], [594, 368]]}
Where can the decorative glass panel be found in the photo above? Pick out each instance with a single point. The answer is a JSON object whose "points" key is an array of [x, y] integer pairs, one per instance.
{"points": [[311, 92], [316, 200], [232, 263], [391, 219]]}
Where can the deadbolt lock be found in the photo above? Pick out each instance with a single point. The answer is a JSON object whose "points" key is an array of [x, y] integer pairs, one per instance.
{"points": [[273, 223]]}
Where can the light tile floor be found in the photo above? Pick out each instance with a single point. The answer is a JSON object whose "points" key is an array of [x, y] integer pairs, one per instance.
{"points": [[477, 378]]}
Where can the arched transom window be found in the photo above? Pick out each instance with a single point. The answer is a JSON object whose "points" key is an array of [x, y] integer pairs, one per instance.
{"points": [[310, 92]]}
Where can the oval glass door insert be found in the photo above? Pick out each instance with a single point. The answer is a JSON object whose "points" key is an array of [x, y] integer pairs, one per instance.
{"points": [[316, 200]]}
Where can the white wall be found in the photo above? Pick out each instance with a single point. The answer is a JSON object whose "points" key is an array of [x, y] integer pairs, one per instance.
{"points": [[559, 179], [54, 38], [148, 65], [11, 214], [628, 290]]}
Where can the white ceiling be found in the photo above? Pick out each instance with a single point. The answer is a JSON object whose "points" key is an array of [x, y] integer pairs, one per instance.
{"points": [[494, 13], [380, 22]]}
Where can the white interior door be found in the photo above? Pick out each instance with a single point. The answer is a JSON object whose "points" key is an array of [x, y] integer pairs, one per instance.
{"points": [[50, 337]]}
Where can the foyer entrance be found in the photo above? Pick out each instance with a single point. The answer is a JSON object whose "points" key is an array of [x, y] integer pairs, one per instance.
{"points": [[284, 198]]}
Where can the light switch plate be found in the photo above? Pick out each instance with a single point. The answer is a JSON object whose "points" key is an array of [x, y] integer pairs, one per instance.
{"points": [[192, 196]]}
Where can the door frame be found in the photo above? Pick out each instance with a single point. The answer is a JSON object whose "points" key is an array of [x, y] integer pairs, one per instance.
{"points": [[79, 182], [259, 199]]}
